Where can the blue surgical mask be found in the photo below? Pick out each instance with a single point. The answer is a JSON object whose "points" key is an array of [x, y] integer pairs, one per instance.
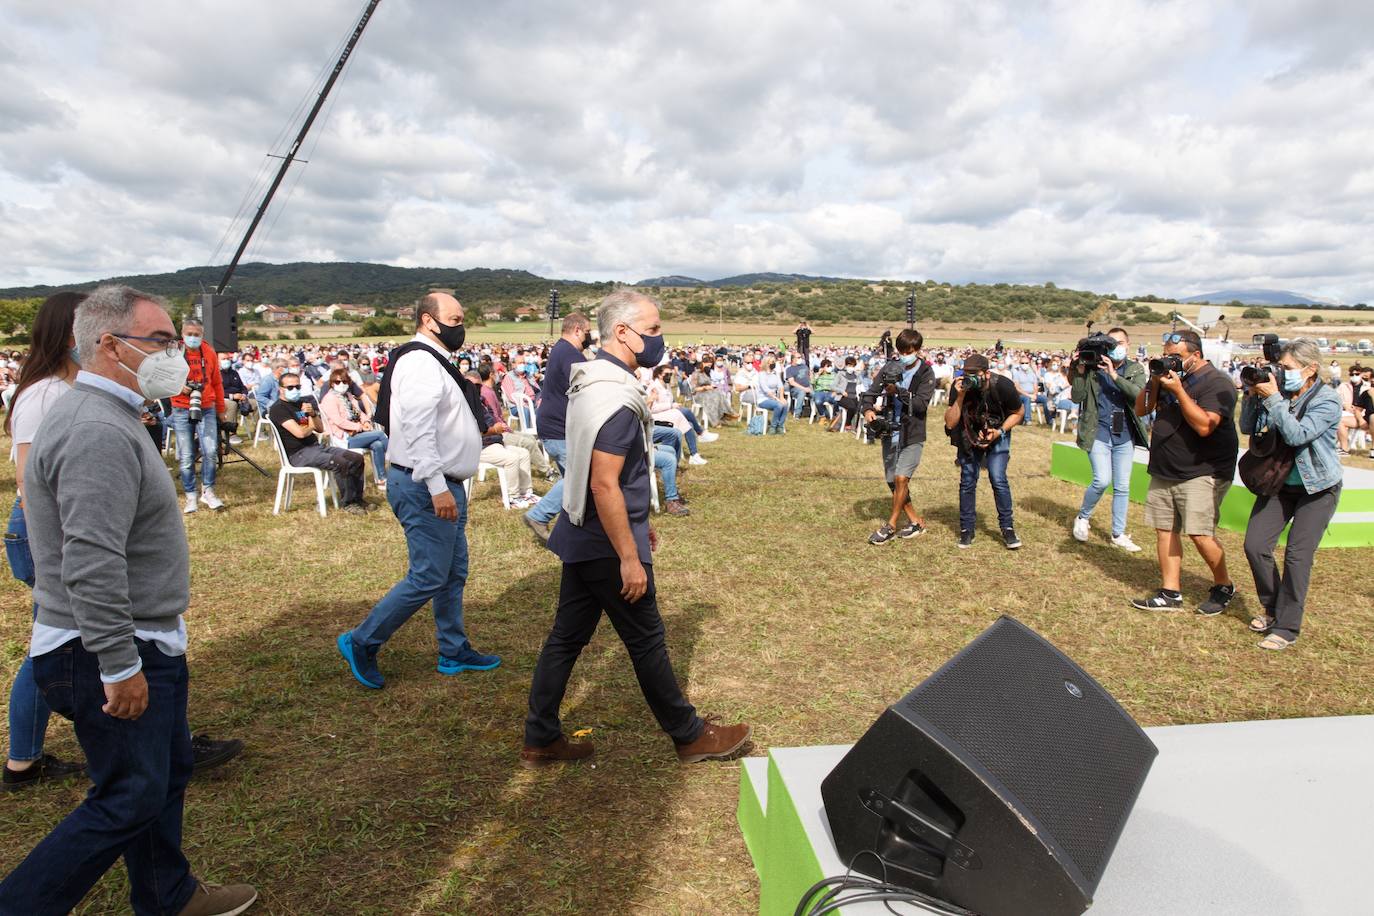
{"points": [[1119, 354], [76, 355], [1292, 379], [291, 395], [192, 341], [909, 359]]}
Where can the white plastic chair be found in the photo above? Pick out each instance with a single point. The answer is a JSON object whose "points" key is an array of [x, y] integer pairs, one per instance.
{"points": [[1062, 417], [482, 468], [263, 423], [523, 407], [289, 472]]}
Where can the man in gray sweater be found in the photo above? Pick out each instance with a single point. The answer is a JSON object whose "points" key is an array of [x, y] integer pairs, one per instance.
{"points": [[109, 642]]}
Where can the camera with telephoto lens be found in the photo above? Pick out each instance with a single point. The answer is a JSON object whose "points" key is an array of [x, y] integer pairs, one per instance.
{"points": [[1163, 365], [194, 408], [1093, 349], [1253, 375]]}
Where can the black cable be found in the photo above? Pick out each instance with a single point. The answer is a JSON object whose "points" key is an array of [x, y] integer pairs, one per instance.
{"points": [[832, 900]]}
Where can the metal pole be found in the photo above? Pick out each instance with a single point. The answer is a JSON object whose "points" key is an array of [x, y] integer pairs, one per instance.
{"points": [[296, 146]]}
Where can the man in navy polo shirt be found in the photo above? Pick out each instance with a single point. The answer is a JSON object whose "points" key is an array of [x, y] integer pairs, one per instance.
{"points": [[606, 544]]}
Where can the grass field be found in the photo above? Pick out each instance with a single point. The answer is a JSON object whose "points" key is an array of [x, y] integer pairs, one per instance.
{"points": [[409, 800]]}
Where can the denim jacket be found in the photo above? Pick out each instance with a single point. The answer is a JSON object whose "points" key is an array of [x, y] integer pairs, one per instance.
{"points": [[1314, 436]]}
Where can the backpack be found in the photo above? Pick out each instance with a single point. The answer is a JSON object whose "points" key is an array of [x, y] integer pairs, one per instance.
{"points": [[382, 415], [755, 427]]}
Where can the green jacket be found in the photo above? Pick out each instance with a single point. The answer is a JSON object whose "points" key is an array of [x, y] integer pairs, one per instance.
{"points": [[1130, 378]]}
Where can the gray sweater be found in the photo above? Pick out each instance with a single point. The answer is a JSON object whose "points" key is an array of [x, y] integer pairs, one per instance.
{"points": [[109, 547]]}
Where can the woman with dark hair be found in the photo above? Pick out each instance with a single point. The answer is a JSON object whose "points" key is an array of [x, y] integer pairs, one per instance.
{"points": [[349, 423], [48, 374]]}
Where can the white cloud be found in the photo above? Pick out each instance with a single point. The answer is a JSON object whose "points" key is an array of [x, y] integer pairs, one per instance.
{"points": [[1126, 146]]}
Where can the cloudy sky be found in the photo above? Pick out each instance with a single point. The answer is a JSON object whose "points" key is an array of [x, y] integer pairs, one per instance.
{"points": [[1117, 145]]}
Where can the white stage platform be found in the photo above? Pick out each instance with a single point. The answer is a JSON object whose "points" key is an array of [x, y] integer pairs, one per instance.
{"points": [[1268, 818]]}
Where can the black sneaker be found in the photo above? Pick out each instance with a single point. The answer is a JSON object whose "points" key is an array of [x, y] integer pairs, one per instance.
{"points": [[209, 753], [965, 539], [1217, 599], [882, 535], [48, 768], [1159, 601], [911, 530], [1010, 539]]}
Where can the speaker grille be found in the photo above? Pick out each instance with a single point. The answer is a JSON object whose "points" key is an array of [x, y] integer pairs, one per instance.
{"points": [[1046, 731]]}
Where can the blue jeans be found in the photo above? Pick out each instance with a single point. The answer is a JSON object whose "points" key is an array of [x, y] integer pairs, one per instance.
{"points": [[139, 768], [665, 460], [438, 568], [209, 447], [29, 712], [546, 510], [374, 440], [969, 467], [1112, 465], [798, 402], [667, 435], [779, 411], [1026, 404], [825, 403]]}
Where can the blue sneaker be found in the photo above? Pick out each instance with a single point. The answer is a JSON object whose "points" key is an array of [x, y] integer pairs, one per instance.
{"points": [[470, 660], [364, 668]]}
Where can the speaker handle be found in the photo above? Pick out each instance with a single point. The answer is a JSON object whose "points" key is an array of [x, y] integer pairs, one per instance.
{"points": [[940, 840]]}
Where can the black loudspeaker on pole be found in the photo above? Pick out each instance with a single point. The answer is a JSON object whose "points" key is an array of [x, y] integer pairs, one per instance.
{"points": [[911, 309], [553, 310]]}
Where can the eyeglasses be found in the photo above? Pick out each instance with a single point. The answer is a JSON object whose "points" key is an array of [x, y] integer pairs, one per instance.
{"points": [[173, 346]]}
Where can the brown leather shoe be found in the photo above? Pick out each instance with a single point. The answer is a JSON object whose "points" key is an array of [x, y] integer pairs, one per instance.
{"points": [[561, 751], [676, 507], [217, 900], [716, 742]]}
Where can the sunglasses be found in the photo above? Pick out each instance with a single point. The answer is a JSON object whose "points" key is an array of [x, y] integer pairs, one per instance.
{"points": [[1173, 338], [292, 387]]}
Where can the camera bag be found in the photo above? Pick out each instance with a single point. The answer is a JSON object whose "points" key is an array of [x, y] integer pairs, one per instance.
{"points": [[1267, 463]]}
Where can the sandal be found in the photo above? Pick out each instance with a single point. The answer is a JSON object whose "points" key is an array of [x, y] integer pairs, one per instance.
{"points": [[1275, 643], [1261, 624]]}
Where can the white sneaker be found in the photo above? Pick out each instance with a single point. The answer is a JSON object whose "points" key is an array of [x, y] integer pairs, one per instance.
{"points": [[1080, 529], [235, 440], [696, 459], [211, 501], [1125, 543], [708, 437], [190, 504]]}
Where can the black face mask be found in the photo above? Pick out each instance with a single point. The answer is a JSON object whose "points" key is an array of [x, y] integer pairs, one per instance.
{"points": [[451, 335], [586, 341]]}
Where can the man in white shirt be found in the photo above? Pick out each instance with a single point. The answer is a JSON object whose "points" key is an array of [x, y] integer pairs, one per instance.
{"points": [[433, 418]]}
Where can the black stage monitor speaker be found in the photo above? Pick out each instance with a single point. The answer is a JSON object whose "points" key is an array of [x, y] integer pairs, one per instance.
{"points": [[220, 316], [1000, 784]]}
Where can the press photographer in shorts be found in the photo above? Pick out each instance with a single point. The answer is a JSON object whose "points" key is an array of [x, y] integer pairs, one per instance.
{"points": [[979, 422], [1298, 416], [1193, 451], [1105, 384], [895, 410]]}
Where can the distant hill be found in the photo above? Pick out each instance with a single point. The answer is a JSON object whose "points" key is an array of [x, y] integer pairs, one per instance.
{"points": [[1256, 297], [315, 283], [739, 280]]}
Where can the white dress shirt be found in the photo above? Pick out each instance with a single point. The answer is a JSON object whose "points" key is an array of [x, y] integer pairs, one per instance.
{"points": [[432, 429], [45, 638]]}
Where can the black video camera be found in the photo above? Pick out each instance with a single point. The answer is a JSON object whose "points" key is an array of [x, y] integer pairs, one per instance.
{"points": [[1253, 375], [1093, 349], [890, 374], [1163, 365], [879, 427], [194, 409]]}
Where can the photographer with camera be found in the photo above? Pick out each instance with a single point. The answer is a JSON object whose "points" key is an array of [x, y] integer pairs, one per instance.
{"points": [[1105, 386], [905, 386], [1193, 452], [196, 410], [979, 422], [1291, 419]]}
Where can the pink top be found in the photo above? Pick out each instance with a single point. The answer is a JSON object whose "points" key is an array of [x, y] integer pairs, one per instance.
{"points": [[334, 412]]}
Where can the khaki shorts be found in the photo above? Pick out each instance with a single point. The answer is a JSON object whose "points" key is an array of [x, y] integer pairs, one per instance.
{"points": [[1190, 506]]}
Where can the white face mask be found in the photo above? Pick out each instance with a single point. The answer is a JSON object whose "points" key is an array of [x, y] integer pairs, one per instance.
{"points": [[341, 388], [160, 375]]}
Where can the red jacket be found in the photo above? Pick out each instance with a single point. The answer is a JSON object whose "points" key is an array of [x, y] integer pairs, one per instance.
{"points": [[204, 365]]}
